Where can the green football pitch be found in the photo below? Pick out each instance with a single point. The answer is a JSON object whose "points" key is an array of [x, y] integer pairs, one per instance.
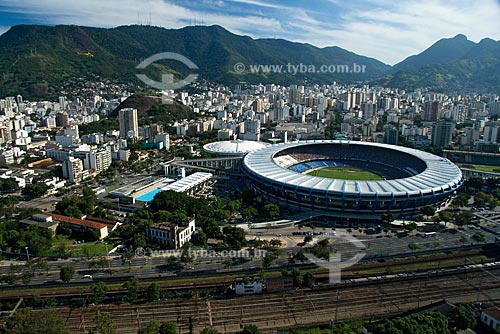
{"points": [[346, 173]]}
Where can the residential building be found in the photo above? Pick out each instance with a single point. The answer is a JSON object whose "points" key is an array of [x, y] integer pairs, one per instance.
{"points": [[129, 127], [72, 169], [491, 317], [442, 133]]}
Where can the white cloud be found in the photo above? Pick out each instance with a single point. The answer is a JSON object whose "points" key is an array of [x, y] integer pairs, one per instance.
{"points": [[3, 29], [392, 31]]}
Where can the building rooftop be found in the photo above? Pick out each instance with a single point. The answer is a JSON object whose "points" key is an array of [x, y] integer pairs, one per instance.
{"points": [[233, 147], [188, 182], [493, 312], [81, 222]]}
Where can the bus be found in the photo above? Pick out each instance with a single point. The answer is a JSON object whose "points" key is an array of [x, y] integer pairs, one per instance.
{"points": [[430, 234]]}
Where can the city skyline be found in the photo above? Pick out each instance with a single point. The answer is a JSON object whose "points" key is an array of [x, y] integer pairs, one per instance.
{"points": [[374, 28]]}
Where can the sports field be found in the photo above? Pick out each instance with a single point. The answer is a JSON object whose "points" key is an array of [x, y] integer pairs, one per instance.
{"points": [[346, 173]]}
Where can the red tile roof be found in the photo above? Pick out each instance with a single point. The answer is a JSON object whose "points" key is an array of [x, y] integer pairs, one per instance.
{"points": [[493, 312], [75, 221]]}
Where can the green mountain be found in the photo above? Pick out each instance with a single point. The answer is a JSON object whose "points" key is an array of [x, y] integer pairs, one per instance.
{"points": [[43, 60], [450, 64]]}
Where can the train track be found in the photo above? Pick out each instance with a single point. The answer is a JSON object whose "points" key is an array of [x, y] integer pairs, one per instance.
{"points": [[57, 291], [297, 308]]}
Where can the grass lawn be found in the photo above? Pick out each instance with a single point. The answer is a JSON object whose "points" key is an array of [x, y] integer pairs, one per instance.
{"points": [[91, 248], [481, 167], [346, 173]]}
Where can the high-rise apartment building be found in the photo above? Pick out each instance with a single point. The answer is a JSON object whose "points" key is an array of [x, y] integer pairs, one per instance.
{"points": [[129, 127], [442, 133]]}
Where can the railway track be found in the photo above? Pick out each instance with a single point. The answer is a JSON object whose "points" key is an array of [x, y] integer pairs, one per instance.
{"points": [[297, 308], [214, 281]]}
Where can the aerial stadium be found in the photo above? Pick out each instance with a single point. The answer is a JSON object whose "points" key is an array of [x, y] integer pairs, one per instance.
{"points": [[350, 179]]}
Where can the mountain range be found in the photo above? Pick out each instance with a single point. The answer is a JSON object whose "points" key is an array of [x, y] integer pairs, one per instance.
{"points": [[39, 61]]}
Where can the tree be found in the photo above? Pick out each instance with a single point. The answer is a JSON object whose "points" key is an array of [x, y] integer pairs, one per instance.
{"points": [[199, 239], [168, 328], [35, 189], [186, 256], [463, 317], [132, 286], [99, 290], [150, 327], [250, 329], [478, 237], [154, 292], [428, 210], [267, 260], [66, 274], [104, 323], [234, 236], [271, 211], [275, 243], [211, 228], [342, 327], [309, 280], [413, 245], [25, 321], [73, 211], [387, 218], [463, 218], [429, 323], [249, 213]]}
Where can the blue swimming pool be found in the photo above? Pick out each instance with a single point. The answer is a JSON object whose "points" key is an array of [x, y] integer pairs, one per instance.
{"points": [[148, 197]]}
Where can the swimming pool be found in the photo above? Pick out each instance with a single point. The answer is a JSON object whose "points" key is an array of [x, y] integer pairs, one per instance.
{"points": [[148, 197]]}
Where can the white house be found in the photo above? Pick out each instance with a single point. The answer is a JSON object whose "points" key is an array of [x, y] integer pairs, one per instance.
{"points": [[248, 286], [491, 317]]}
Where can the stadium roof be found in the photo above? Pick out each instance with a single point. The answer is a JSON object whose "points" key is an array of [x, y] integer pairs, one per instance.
{"points": [[188, 182], [233, 147], [439, 174]]}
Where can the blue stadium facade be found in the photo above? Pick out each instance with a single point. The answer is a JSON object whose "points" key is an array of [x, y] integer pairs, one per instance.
{"points": [[412, 178]]}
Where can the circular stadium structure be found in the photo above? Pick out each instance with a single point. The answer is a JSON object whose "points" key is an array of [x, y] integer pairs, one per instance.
{"points": [[405, 179], [235, 147]]}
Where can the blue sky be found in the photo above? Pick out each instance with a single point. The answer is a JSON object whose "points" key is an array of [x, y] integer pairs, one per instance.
{"points": [[384, 29]]}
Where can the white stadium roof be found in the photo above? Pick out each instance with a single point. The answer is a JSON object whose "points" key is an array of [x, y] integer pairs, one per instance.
{"points": [[439, 174], [234, 147]]}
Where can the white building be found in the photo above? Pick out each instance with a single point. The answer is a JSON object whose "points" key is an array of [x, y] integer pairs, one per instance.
{"points": [[170, 234], [99, 160], [129, 127], [491, 317], [248, 286], [72, 169], [163, 138]]}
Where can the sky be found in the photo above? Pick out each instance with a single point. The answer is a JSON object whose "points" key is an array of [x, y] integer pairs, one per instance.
{"points": [[387, 30]]}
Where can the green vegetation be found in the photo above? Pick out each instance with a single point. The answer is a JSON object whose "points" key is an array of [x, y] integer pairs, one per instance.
{"points": [[26, 321], [66, 274], [8, 186], [33, 190], [485, 168], [420, 323], [463, 317], [59, 56], [104, 323], [345, 173]]}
